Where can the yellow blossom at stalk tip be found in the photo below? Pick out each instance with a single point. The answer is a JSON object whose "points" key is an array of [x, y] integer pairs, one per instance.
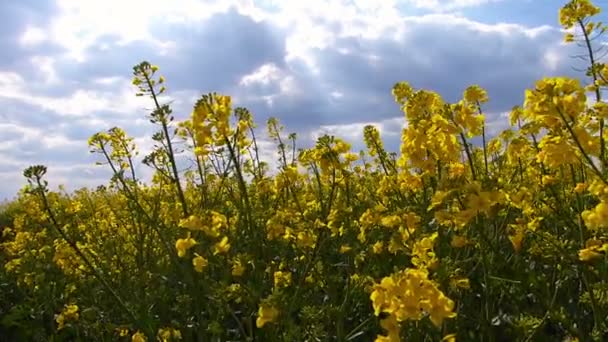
{"points": [[589, 254], [168, 334], [449, 338], [222, 246], [517, 239], [139, 337], [199, 263], [378, 247], [266, 314], [460, 283], [458, 241], [392, 328], [345, 249], [68, 314], [282, 279], [411, 295], [183, 245], [594, 249], [237, 268]]}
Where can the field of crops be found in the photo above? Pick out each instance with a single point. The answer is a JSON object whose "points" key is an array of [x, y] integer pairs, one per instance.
{"points": [[450, 239]]}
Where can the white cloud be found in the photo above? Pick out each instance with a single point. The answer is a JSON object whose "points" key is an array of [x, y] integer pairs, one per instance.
{"points": [[275, 81], [10, 82], [448, 5], [33, 36], [34, 134], [450, 19], [111, 80], [552, 59], [45, 65], [336, 94], [81, 103], [81, 23], [23, 132], [265, 74], [353, 132]]}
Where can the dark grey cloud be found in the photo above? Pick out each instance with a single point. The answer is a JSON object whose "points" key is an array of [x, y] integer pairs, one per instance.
{"points": [[215, 55], [443, 58], [106, 58], [208, 56]]}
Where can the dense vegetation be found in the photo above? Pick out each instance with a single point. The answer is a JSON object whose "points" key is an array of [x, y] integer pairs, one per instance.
{"points": [[499, 241]]}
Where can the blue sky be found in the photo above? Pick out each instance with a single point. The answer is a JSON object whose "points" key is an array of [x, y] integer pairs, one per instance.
{"points": [[319, 66]]}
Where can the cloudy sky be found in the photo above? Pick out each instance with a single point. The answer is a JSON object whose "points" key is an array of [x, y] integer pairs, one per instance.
{"points": [[319, 66]]}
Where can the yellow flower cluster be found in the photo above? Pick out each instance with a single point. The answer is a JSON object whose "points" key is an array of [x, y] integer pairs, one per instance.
{"points": [[266, 314], [211, 123], [596, 218], [594, 249], [410, 295], [168, 334], [68, 314]]}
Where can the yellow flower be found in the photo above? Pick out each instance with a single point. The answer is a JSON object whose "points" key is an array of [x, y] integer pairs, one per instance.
{"points": [[460, 283], [221, 247], [438, 198], [456, 169], [475, 94], [517, 239], [378, 247], [410, 295], [306, 239], [199, 263], [594, 249], [237, 268], [588, 254], [458, 241], [441, 308], [168, 334], [193, 222], [69, 313], [576, 10], [282, 279], [392, 327], [390, 221], [139, 337], [449, 338], [423, 255], [266, 314], [183, 245], [345, 249], [596, 217]]}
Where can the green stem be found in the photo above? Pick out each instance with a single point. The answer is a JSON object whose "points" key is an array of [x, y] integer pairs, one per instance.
{"points": [[469, 155], [163, 121], [580, 147], [598, 95]]}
